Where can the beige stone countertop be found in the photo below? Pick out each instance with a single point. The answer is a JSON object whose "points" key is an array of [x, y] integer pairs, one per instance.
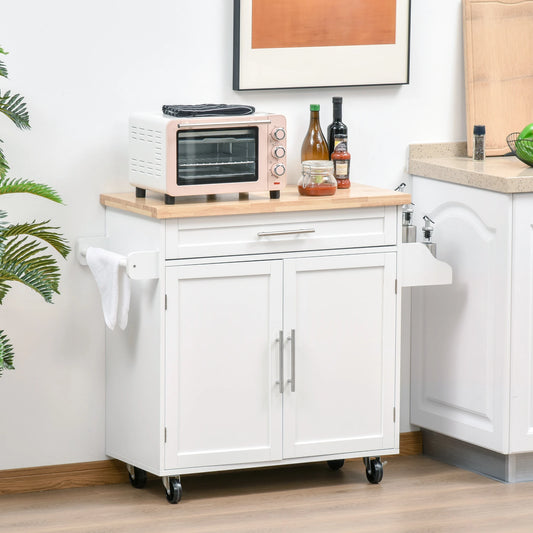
{"points": [[449, 162], [153, 205]]}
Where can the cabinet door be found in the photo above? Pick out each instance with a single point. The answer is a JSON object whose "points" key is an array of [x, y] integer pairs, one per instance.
{"points": [[521, 424], [222, 329], [341, 390], [460, 346]]}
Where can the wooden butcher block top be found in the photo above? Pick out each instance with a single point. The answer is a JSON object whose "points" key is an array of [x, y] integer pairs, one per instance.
{"points": [[230, 204], [498, 46]]}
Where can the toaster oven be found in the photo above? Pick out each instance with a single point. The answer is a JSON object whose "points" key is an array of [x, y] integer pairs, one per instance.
{"points": [[207, 155]]}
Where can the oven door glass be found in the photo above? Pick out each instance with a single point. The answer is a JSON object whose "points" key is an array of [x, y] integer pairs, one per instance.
{"points": [[222, 155]]}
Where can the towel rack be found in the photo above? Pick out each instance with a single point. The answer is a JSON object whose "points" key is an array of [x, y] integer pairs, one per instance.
{"points": [[138, 265]]}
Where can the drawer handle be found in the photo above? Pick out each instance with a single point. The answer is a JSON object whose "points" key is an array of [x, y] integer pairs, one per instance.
{"points": [[285, 232]]}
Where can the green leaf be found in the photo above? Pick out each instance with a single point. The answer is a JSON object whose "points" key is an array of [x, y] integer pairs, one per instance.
{"points": [[4, 167], [22, 260], [4, 289], [14, 108], [3, 70], [15, 185], [6, 353], [40, 230]]}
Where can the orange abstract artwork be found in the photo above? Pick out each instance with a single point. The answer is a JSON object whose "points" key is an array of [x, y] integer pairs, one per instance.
{"points": [[306, 23]]}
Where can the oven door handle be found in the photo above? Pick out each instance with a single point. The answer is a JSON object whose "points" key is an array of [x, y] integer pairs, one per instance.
{"points": [[223, 124]]}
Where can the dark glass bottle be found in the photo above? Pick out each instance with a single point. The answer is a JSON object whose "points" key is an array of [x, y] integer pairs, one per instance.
{"points": [[337, 127], [314, 146]]}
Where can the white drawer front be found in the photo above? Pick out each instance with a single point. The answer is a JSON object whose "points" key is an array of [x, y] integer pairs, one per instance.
{"points": [[282, 232]]}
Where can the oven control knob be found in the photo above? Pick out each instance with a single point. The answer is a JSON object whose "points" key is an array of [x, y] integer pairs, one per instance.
{"points": [[278, 170], [278, 151], [278, 134]]}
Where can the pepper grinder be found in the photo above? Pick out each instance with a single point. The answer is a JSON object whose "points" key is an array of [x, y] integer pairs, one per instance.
{"points": [[478, 152], [427, 232]]}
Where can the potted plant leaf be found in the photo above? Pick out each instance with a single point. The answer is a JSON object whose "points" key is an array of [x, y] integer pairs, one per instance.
{"points": [[24, 247]]}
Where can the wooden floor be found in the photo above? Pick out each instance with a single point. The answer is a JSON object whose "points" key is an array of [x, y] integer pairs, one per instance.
{"points": [[416, 494]]}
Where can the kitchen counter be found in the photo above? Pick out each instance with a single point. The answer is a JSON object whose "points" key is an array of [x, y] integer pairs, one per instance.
{"points": [[449, 162], [230, 204]]}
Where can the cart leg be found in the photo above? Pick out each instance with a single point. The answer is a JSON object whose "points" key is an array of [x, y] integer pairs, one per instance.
{"points": [[137, 476], [374, 469], [172, 488]]}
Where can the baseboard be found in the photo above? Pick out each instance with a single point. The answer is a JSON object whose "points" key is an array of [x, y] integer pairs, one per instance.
{"points": [[411, 443], [108, 472], [67, 476]]}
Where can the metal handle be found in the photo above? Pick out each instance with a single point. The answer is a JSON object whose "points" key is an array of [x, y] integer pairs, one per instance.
{"points": [[223, 124], [292, 381], [280, 341], [285, 232]]}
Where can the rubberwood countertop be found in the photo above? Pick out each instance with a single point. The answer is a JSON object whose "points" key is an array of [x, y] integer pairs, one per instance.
{"points": [[230, 204]]}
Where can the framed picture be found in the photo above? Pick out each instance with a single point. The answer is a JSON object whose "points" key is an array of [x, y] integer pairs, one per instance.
{"points": [[281, 44]]}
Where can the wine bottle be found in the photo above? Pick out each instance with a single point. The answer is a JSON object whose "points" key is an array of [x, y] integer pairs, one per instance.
{"points": [[337, 127], [314, 146]]}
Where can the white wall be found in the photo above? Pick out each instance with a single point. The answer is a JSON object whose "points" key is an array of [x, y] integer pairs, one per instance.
{"points": [[83, 67]]}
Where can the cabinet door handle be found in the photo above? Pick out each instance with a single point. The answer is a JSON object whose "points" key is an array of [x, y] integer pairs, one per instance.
{"points": [[285, 232], [280, 341], [292, 381]]}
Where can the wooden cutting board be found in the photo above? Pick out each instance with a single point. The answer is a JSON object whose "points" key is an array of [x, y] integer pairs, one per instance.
{"points": [[498, 46]]}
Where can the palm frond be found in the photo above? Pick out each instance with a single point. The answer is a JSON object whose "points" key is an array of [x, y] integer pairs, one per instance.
{"points": [[22, 260], [14, 108], [4, 289], [16, 185], [3, 70], [6, 353], [41, 231], [4, 167]]}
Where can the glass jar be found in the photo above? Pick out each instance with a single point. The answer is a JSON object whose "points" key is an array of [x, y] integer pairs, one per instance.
{"points": [[317, 178]]}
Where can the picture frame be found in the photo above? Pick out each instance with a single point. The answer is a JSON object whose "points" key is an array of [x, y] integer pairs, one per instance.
{"points": [[290, 44]]}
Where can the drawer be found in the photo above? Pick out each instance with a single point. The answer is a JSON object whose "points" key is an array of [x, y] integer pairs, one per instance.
{"points": [[280, 232]]}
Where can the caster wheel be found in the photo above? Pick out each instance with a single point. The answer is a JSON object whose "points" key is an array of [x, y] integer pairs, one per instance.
{"points": [[137, 477], [336, 464], [374, 470], [174, 490]]}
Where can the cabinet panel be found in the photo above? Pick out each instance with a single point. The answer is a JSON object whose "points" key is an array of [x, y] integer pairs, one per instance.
{"points": [[342, 311], [460, 337], [222, 402], [522, 327]]}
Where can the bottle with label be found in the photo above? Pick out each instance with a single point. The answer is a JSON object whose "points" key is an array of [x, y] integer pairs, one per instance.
{"points": [[341, 161], [314, 146], [337, 127]]}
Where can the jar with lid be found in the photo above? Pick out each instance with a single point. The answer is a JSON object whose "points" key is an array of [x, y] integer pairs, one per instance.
{"points": [[317, 178]]}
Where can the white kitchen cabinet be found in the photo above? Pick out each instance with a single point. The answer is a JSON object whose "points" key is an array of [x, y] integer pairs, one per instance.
{"points": [[266, 339], [521, 398], [472, 350], [268, 359]]}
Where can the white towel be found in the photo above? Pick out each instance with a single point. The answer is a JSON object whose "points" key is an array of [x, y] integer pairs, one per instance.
{"points": [[113, 284]]}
